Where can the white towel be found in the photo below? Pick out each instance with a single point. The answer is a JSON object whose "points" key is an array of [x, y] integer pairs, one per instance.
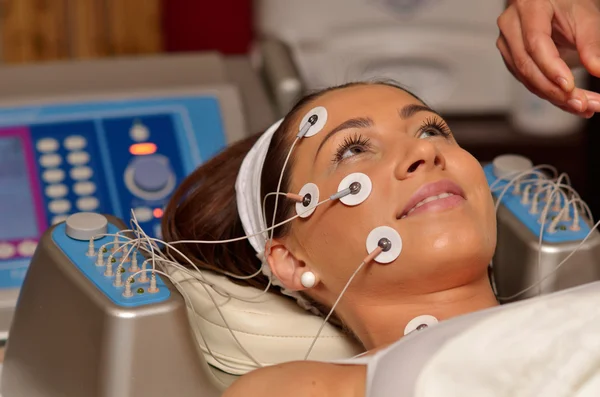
{"points": [[549, 348]]}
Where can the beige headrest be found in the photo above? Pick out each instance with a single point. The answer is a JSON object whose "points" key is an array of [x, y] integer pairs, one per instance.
{"points": [[272, 328]]}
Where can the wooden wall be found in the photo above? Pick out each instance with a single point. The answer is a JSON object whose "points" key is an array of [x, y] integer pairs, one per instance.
{"points": [[46, 30]]}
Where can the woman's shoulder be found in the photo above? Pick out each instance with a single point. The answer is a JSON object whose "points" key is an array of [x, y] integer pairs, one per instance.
{"points": [[301, 378]]}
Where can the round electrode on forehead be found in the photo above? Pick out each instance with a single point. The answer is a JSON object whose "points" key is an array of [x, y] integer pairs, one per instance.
{"points": [[310, 193], [321, 118], [388, 239], [419, 323], [359, 195]]}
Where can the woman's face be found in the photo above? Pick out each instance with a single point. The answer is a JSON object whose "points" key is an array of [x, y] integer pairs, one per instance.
{"points": [[403, 146]]}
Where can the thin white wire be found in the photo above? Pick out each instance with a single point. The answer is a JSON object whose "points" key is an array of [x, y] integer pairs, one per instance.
{"points": [[557, 266], [333, 308], [556, 188], [270, 237], [190, 305]]}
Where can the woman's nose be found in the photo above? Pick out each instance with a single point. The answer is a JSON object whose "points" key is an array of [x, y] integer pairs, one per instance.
{"points": [[421, 156]]}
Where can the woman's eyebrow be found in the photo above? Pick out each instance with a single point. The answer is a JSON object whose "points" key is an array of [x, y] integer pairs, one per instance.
{"points": [[410, 110], [365, 122], [359, 122]]}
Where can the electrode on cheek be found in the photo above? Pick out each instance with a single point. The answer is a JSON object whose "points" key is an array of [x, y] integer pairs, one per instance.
{"points": [[388, 240], [310, 199], [313, 122], [354, 189]]}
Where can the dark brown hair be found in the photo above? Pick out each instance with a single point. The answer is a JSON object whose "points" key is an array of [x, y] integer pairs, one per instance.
{"points": [[204, 205]]}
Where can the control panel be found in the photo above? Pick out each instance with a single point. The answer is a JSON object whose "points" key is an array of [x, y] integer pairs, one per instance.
{"points": [[102, 155], [111, 262], [518, 196]]}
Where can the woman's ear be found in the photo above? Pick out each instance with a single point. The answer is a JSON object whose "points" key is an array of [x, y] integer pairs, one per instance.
{"points": [[285, 266]]}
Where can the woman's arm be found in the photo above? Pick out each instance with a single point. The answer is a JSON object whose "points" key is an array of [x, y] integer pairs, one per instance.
{"points": [[301, 379]]}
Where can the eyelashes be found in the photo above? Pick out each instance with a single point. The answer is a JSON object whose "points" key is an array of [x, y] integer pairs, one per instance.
{"points": [[356, 143], [434, 124]]}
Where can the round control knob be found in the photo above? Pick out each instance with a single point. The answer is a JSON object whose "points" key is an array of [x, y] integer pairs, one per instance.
{"points": [[85, 225], [510, 165], [151, 174]]}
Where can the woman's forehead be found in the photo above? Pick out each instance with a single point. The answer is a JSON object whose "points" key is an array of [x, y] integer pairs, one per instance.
{"points": [[358, 101]]}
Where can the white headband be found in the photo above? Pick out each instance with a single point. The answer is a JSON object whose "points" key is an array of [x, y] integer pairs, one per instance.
{"points": [[249, 204]]}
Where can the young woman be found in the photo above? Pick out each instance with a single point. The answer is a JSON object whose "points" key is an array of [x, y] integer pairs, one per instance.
{"points": [[424, 186]]}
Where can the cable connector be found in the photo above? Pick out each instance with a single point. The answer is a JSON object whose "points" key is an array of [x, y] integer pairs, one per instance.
{"points": [[534, 204], [557, 203], [116, 244], [575, 225], [134, 263], [127, 293], [100, 258], [91, 249], [525, 196], [109, 270], [118, 277], [144, 276], [153, 288], [517, 186]]}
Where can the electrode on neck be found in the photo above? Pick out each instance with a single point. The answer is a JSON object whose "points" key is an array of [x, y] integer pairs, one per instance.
{"points": [[420, 323]]}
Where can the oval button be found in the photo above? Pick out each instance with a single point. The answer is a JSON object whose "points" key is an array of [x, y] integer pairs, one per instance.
{"points": [[75, 142], [27, 248], [87, 203], [50, 160], [84, 188], [53, 176], [47, 145], [7, 250], [81, 173], [143, 214], [56, 191], [59, 206], [78, 158]]}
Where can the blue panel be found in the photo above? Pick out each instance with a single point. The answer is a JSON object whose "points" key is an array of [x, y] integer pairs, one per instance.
{"points": [[198, 119], [59, 132], [186, 129], [513, 203], [76, 251], [162, 134]]}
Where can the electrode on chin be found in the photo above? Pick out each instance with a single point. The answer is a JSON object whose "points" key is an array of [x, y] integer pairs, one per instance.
{"points": [[388, 240]]}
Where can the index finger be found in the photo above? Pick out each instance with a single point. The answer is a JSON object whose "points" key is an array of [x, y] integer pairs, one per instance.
{"points": [[536, 24]]}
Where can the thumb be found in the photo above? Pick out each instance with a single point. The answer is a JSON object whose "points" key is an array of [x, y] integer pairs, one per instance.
{"points": [[587, 40]]}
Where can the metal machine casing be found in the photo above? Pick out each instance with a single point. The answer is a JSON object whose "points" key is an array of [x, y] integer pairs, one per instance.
{"points": [[515, 264], [68, 339], [74, 125]]}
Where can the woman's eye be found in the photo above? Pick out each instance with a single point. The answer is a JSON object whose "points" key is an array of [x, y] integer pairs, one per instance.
{"points": [[429, 133], [351, 151]]}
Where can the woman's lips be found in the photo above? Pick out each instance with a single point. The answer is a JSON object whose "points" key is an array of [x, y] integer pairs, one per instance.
{"points": [[437, 196], [436, 205]]}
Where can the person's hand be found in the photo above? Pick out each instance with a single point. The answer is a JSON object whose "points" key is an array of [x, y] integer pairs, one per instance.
{"points": [[540, 40]]}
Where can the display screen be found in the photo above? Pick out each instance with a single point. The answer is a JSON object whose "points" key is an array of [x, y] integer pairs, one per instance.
{"points": [[17, 211]]}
